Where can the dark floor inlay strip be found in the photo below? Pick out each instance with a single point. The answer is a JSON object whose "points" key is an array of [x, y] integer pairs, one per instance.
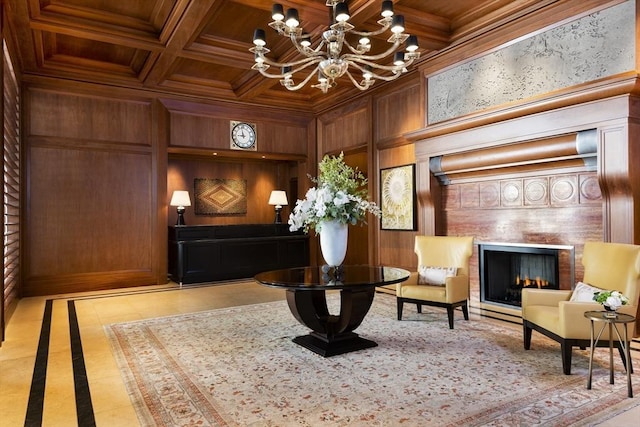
{"points": [[35, 405], [84, 407]]}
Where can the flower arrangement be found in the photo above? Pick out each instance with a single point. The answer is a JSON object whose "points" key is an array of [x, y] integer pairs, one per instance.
{"points": [[612, 299], [340, 195]]}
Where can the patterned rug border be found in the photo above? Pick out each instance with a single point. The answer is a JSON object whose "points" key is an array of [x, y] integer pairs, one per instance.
{"points": [[605, 400]]}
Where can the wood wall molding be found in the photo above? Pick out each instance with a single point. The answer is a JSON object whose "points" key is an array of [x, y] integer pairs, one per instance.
{"points": [[398, 112], [345, 128]]}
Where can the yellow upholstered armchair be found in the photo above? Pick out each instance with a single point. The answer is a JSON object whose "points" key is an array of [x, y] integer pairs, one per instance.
{"points": [[442, 279], [559, 314]]}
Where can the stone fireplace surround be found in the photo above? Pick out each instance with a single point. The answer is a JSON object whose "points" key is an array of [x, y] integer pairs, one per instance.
{"points": [[608, 180]]}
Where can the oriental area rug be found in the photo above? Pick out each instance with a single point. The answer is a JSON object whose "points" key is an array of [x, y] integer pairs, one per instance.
{"points": [[238, 367]]}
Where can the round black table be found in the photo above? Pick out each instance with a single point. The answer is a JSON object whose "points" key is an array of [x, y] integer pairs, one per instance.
{"points": [[306, 295]]}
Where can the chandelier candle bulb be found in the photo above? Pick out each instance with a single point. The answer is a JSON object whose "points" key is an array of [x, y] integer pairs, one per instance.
{"points": [[398, 59], [387, 9], [277, 12], [397, 24], [292, 18], [259, 38], [342, 12], [412, 44]]}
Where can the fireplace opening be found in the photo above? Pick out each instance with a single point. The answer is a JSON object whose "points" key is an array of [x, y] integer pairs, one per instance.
{"points": [[505, 269]]}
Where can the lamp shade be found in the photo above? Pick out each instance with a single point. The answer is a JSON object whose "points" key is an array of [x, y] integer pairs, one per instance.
{"points": [[278, 198], [180, 198]]}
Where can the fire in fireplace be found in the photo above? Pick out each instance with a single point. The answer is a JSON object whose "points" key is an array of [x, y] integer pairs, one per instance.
{"points": [[506, 268]]}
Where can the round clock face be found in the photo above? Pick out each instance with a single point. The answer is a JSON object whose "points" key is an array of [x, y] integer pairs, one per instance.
{"points": [[243, 135]]}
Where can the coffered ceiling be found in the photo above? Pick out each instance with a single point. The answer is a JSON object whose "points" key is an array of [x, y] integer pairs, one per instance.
{"points": [[201, 47]]}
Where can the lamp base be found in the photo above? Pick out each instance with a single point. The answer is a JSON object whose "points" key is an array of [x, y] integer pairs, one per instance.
{"points": [[180, 220], [278, 218]]}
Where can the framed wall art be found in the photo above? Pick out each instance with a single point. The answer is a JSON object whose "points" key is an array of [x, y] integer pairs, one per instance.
{"points": [[398, 198], [220, 196]]}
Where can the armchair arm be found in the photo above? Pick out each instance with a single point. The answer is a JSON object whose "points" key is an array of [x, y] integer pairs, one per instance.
{"points": [[546, 297], [573, 323], [457, 288], [571, 320], [411, 281], [550, 297]]}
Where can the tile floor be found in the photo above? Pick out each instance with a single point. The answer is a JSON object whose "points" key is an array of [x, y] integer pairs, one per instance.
{"points": [[110, 404]]}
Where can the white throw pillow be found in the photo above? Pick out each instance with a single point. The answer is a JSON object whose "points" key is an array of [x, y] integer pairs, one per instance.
{"points": [[584, 292], [435, 275]]}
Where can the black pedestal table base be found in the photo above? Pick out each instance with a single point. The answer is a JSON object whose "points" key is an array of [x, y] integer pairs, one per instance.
{"points": [[331, 334]]}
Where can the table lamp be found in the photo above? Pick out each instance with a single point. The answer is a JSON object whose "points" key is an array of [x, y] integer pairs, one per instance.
{"points": [[180, 198], [278, 198]]}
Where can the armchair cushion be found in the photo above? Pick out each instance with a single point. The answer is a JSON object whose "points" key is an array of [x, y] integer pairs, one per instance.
{"points": [[435, 275], [584, 292]]}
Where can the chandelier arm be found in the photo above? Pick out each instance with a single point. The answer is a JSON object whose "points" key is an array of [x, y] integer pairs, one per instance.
{"points": [[303, 62], [281, 75], [345, 27], [385, 27], [353, 49], [395, 69], [269, 75], [384, 54], [357, 84], [306, 51], [302, 83]]}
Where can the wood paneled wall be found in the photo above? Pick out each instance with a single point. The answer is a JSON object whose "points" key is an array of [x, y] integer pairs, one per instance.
{"points": [[397, 113], [346, 128], [91, 219], [101, 166]]}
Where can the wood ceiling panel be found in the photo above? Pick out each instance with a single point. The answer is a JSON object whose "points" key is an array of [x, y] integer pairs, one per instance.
{"points": [[143, 10], [93, 50], [203, 70]]}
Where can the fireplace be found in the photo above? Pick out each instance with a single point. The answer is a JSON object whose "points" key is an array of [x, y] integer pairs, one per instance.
{"points": [[507, 268]]}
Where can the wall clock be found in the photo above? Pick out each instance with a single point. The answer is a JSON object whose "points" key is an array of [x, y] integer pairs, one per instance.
{"points": [[243, 136]]}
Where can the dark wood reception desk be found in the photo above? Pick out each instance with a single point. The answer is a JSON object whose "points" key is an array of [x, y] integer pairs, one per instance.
{"points": [[207, 253]]}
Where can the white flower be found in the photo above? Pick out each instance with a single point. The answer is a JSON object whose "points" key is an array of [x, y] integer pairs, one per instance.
{"points": [[339, 195], [613, 302], [341, 198]]}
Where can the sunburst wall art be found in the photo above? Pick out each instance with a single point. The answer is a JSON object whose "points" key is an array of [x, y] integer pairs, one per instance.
{"points": [[220, 196], [397, 198]]}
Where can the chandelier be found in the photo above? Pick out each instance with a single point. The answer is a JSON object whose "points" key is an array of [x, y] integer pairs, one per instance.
{"points": [[334, 55]]}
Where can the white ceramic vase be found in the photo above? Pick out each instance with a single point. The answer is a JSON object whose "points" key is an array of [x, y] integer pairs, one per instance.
{"points": [[333, 242]]}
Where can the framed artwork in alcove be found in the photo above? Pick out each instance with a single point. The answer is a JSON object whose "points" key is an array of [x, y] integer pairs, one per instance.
{"points": [[398, 198], [220, 196]]}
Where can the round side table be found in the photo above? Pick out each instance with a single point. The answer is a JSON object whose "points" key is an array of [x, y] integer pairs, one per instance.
{"points": [[612, 320]]}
